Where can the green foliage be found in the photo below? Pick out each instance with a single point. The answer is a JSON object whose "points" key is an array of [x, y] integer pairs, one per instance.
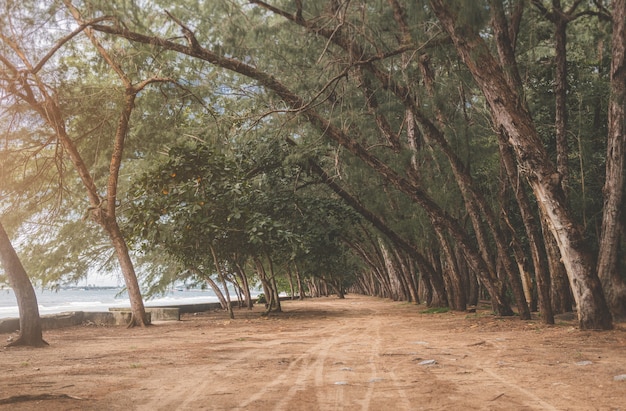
{"points": [[201, 198], [207, 165]]}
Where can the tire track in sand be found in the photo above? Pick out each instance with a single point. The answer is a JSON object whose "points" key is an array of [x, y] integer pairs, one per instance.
{"points": [[312, 361], [535, 399], [180, 394], [375, 378], [490, 378]]}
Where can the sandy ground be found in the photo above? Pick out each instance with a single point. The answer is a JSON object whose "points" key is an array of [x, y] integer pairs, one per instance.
{"points": [[323, 354]]}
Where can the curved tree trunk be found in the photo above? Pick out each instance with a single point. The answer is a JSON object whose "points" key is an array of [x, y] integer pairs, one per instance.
{"points": [[128, 271], [278, 308], [457, 297], [222, 277], [267, 286], [245, 286], [432, 274], [442, 297], [313, 289], [216, 289], [407, 267], [374, 259], [336, 286], [397, 281], [30, 322], [241, 300]]}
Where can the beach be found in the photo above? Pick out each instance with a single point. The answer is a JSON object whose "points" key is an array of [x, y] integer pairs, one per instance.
{"points": [[358, 353], [98, 299]]}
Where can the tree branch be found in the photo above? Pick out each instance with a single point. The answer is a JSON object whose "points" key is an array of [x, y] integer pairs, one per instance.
{"points": [[189, 35], [64, 40], [89, 32]]}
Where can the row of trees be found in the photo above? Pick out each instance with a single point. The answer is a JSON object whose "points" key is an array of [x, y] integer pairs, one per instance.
{"points": [[443, 151]]}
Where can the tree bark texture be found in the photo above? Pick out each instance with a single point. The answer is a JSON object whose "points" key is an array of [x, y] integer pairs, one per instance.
{"points": [[128, 271], [608, 260], [560, 292], [457, 292], [532, 228]]}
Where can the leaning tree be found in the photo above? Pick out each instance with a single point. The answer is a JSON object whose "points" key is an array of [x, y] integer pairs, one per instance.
{"points": [[30, 322]]}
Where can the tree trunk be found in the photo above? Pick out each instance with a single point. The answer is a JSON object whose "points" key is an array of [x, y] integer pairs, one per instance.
{"points": [[434, 277], [267, 286], [410, 278], [301, 293], [291, 288], [313, 289], [128, 271], [216, 289], [473, 289], [222, 277], [103, 211], [30, 322], [560, 293], [336, 285], [278, 307], [237, 288], [398, 286], [456, 295], [245, 285], [375, 261], [511, 116], [425, 291], [441, 290], [535, 239], [613, 282], [218, 292], [562, 147]]}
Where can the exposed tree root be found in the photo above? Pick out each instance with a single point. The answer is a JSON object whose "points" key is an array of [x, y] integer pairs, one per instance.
{"points": [[39, 397], [134, 322], [22, 342]]}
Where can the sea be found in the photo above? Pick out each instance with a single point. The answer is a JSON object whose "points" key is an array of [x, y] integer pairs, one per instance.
{"points": [[97, 299]]}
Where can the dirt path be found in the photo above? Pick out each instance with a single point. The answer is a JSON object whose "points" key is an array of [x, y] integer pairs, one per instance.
{"points": [[324, 354]]}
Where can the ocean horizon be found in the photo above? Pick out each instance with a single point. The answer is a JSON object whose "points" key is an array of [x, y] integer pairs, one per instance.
{"points": [[98, 299]]}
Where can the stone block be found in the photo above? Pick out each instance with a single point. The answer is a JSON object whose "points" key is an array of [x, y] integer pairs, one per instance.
{"points": [[123, 317]]}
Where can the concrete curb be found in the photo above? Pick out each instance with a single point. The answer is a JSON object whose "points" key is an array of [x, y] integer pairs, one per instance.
{"points": [[115, 316]]}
